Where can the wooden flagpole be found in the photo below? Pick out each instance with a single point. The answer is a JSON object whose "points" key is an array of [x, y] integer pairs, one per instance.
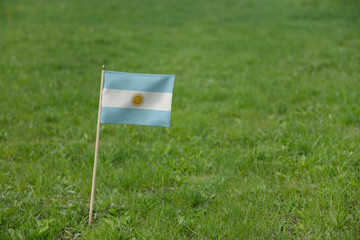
{"points": [[96, 146]]}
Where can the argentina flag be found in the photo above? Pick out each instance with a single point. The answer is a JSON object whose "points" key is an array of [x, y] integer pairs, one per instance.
{"points": [[133, 98]]}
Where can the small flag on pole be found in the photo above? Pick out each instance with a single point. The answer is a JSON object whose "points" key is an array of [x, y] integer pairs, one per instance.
{"points": [[132, 98]]}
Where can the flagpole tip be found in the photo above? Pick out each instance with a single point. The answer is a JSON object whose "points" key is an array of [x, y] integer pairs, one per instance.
{"points": [[103, 67]]}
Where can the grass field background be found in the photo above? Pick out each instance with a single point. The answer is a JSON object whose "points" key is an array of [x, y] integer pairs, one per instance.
{"points": [[265, 134]]}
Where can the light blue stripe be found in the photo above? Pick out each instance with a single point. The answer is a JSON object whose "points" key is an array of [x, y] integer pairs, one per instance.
{"points": [[139, 82], [135, 116]]}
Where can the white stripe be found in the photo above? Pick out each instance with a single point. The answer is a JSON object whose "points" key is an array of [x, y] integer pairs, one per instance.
{"points": [[123, 99]]}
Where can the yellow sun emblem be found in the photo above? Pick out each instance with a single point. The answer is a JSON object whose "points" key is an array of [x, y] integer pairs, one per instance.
{"points": [[137, 99]]}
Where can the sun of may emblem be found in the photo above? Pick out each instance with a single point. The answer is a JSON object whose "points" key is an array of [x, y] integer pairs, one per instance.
{"points": [[137, 99]]}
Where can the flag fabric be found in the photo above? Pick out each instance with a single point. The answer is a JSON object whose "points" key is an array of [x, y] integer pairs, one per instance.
{"points": [[133, 98]]}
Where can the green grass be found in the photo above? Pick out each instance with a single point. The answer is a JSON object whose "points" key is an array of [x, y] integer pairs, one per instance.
{"points": [[265, 134]]}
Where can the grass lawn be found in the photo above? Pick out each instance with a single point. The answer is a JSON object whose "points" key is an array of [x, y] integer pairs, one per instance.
{"points": [[265, 130]]}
